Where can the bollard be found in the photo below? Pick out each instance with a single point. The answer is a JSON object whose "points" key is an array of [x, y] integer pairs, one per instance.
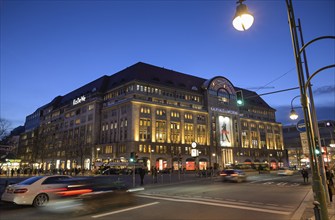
{"points": [[317, 210]]}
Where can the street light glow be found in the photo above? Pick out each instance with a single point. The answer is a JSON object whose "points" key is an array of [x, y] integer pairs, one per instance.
{"points": [[293, 115], [243, 20]]}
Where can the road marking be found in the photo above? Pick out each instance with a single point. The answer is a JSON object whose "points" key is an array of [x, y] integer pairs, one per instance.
{"points": [[218, 204], [295, 184], [286, 184], [257, 203], [268, 183], [273, 178], [281, 183], [124, 210], [244, 201]]}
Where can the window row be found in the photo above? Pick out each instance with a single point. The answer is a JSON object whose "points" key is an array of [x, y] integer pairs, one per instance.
{"points": [[174, 94]]}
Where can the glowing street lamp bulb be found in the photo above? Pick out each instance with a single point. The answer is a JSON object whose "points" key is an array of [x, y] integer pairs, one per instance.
{"points": [[293, 115], [243, 20]]}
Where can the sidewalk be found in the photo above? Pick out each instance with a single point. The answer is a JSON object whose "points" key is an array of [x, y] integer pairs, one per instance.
{"points": [[306, 211]]}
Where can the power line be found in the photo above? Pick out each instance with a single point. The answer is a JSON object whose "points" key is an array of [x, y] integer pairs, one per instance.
{"points": [[275, 79], [268, 93]]}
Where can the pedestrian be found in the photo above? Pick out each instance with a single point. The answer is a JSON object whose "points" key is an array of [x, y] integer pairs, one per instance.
{"points": [[155, 174], [142, 173], [305, 174], [330, 183]]}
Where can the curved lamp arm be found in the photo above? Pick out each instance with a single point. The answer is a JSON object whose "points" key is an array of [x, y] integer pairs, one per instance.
{"points": [[312, 41], [316, 72]]}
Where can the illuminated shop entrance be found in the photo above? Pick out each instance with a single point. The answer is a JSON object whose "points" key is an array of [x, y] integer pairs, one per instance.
{"points": [[202, 164], [176, 164], [191, 164], [227, 157], [161, 164]]}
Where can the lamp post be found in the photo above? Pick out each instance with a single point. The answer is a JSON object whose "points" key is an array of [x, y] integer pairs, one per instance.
{"points": [[151, 151], [312, 132]]}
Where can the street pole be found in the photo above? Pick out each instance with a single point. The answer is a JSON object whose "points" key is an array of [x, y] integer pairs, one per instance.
{"points": [[319, 193], [313, 115]]}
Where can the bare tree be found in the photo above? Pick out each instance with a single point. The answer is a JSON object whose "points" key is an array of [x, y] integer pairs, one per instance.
{"points": [[4, 128]]}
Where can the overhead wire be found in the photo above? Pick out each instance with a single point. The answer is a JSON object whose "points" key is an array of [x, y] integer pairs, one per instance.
{"points": [[276, 79]]}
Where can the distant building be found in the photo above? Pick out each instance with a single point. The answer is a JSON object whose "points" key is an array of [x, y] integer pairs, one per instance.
{"points": [[298, 155], [155, 114], [9, 149]]}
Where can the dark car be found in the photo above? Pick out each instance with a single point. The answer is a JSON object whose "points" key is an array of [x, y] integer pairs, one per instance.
{"points": [[110, 171], [233, 175]]}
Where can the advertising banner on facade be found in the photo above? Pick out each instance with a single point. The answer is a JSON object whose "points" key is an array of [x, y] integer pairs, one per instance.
{"points": [[225, 131]]}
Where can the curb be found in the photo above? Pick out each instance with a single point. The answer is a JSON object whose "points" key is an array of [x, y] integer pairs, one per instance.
{"points": [[299, 213]]}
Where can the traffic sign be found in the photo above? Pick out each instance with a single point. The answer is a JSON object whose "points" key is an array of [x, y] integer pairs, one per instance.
{"points": [[301, 126]]}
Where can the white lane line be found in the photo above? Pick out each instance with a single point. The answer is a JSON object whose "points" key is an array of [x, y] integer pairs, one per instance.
{"points": [[262, 180], [219, 204], [124, 210]]}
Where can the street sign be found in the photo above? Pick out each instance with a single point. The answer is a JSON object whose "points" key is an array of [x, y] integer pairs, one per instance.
{"points": [[301, 126], [304, 143]]}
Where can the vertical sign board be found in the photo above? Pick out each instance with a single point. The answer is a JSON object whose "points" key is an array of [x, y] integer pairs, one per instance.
{"points": [[304, 143], [301, 127]]}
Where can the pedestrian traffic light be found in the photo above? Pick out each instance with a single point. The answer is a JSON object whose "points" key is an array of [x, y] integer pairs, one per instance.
{"points": [[317, 151], [239, 98], [317, 148]]}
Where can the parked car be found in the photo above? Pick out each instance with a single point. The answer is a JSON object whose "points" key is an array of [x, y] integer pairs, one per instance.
{"points": [[285, 172], [233, 175], [111, 171], [36, 191]]}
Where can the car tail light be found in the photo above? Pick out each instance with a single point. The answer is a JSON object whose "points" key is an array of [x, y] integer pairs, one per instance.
{"points": [[23, 190], [234, 174], [74, 192], [223, 174]]}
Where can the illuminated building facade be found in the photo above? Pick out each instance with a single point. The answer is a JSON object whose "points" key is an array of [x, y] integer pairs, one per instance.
{"points": [[296, 144], [157, 114]]}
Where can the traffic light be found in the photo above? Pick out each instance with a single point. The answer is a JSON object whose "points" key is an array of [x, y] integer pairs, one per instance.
{"points": [[317, 148], [239, 98], [317, 151], [132, 157]]}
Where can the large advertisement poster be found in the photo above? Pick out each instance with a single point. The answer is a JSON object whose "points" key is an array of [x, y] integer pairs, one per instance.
{"points": [[225, 131]]}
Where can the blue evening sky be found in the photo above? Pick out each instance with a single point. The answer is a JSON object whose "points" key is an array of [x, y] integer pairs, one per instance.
{"points": [[50, 48]]}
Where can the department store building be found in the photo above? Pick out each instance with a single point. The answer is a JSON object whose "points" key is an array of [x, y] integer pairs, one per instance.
{"points": [[167, 118]]}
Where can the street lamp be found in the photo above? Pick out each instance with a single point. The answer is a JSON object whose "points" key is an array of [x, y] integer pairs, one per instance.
{"points": [[243, 19], [312, 131], [293, 113]]}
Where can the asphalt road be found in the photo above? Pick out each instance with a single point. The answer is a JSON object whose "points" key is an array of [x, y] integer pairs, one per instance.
{"points": [[261, 197]]}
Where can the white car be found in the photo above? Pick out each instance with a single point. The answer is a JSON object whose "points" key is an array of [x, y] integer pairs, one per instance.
{"points": [[36, 191], [285, 172]]}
